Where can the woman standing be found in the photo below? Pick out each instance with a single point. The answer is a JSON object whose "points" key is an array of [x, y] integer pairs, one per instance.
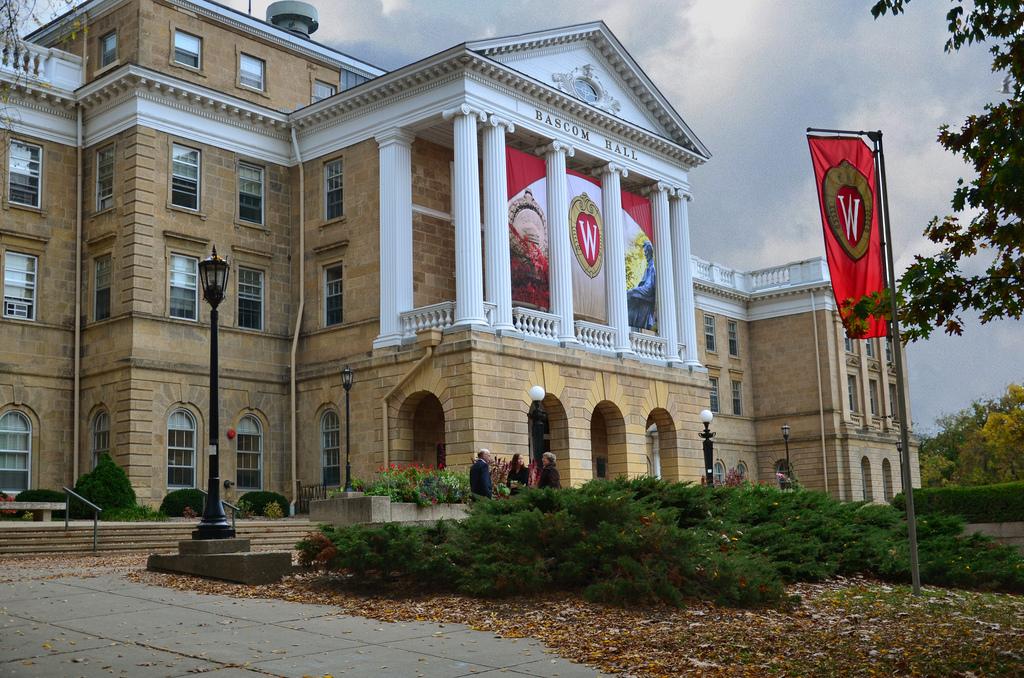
{"points": [[518, 474], [549, 474]]}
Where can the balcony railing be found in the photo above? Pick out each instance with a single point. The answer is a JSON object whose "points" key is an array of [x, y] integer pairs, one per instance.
{"points": [[595, 336], [535, 323], [24, 61], [437, 316], [648, 346]]}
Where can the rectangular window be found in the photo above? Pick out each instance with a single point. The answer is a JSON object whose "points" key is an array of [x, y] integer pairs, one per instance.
{"points": [[108, 49], [24, 164], [20, 286], [737, 398], [323, 90], [894, 404], [101, 281], [350, 80], [888, 350], [181, 450], [185, 177], [332, 295], [250, 71], [869, 347], [851, 391], [333, 190], [849, 344], [734, 338], [104, 178], [250, 299], [250, 193], [188, 49], [714, 394], [249, 475], [873, 395], [709, 333], [184, 277]]}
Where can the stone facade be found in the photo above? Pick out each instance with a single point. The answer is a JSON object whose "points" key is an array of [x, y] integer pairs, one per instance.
{"points": [[465, 387]]}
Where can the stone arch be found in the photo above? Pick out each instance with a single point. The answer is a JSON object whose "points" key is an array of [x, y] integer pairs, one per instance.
{"points": [[556, 434], [420, 425], [887, 486], [664, 437], [608, 441], [867, 488], [24, 425]]}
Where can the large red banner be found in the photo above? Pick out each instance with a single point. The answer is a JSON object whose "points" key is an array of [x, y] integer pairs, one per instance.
{"points": [[844, 171]]}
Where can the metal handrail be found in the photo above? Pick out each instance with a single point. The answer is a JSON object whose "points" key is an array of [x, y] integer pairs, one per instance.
{"points": [[96, 511], [234, 509]]}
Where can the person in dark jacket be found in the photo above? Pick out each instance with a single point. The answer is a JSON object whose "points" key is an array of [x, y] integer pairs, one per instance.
{"points": [[480, 475], [518, 474], [549, 474]]}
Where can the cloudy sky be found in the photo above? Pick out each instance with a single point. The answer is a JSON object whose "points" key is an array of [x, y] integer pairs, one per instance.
{"points": [[749, 77]]}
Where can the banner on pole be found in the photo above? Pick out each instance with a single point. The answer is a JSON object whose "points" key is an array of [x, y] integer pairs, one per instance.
{"points": [[844, 172]]}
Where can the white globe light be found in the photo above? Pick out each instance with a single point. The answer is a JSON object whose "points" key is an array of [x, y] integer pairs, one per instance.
{"points": [[536, 393], [706, 416]]}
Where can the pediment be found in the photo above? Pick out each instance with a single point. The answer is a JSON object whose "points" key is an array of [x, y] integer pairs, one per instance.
{"points": [[589, 63]]}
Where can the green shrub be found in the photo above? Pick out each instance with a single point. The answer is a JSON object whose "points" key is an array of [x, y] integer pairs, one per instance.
{"points": [[975, 504], [175, 502], [257, 502], [421, 485], [133, 514], [43, 495], [107, 486], [273, 510]]}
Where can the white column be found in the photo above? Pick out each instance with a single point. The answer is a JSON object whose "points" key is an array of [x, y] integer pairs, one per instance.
{"points": [[469, 293], [615, 254], [663, 270], [560, 249], [686, 308], [395, 153], [498, 279]]}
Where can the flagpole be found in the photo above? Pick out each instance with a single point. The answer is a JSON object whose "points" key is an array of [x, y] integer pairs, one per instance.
{"points": [[894, 332]]}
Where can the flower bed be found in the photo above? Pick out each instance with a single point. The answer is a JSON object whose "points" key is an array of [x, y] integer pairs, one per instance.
{"points": [[415, 484]]}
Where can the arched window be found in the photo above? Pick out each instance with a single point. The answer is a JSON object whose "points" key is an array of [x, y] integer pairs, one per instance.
{"points": [[330, 450], [15, 452], [886, 480], [741, 470], [719, 473], [865, 479], [181, 450], [100, 436], [249, 454]]}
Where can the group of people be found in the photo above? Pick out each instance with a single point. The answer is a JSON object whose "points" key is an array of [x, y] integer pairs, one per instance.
{"points": [[518, 473]]}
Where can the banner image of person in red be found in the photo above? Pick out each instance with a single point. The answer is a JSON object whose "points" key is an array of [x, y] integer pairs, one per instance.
{"points": [[844, 172]]}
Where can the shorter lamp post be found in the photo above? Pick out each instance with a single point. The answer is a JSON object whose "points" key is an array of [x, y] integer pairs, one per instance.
{"points": [[538, 421], [708, 435], [899, 453], [785, 436], [213, 274], [346, 381]]}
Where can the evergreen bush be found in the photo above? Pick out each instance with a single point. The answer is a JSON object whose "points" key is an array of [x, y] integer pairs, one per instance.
{"points": [[43, 495], [107, 486], [257, 502], [999, 503], [175, 502]]}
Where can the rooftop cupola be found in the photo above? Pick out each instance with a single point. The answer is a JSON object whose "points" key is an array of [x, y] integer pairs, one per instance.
{"points": [[299, 18]]}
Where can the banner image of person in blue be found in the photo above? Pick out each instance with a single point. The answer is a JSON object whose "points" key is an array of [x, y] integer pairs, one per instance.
{"points": [[641, 299]]}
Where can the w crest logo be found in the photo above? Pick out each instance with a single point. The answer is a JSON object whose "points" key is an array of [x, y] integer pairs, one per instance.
{"points": [[848, 205], [587, 234]]}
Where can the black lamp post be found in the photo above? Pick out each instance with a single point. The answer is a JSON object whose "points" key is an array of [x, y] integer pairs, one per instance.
{"points": [[213, 274], [707, 417], [346, 381], [538, 421], [785, 436], [899, 452]]}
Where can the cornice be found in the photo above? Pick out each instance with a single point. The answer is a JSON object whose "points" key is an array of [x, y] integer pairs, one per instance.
{"points": [[717, 290]]}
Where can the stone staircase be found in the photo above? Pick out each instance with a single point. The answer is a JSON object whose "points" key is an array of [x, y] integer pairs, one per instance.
{"points": [[39, 538]]}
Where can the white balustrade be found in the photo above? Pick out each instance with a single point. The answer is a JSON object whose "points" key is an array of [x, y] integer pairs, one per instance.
{"points": [[769, 277], [648, 345], [489, 312], [439, 316], [537, 324], [25, 60], [701, 269], [597, 336]]}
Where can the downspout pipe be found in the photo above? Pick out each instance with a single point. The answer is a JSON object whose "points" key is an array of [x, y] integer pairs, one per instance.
{"points": [[821, 399], [76, 429], [298, 319]]}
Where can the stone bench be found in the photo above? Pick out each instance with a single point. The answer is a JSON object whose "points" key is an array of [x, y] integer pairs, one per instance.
{"points": [[41, 510]]}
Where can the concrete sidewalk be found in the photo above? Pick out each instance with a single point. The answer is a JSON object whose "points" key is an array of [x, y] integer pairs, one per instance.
{"points": [[108, 626]]}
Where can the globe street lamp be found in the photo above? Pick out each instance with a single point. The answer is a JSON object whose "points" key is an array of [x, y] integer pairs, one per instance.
{"points": [[538, 421], [899, 452], [785, 436], [346, 381], [213, 274], [709, 447]]}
